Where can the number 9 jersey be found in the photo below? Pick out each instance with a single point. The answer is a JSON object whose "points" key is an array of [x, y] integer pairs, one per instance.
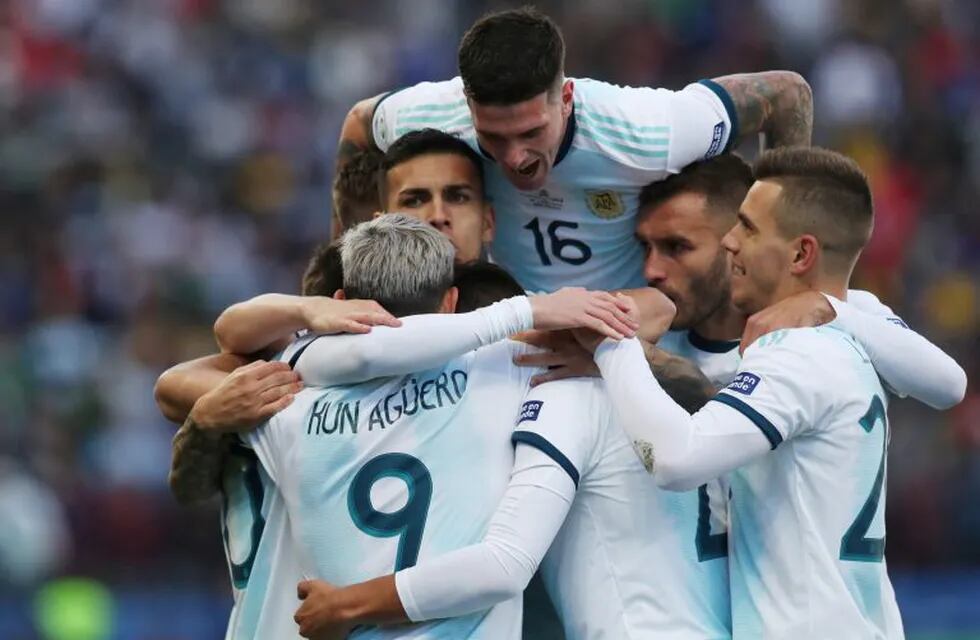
{"points": [[577, 230], [379, 475]]}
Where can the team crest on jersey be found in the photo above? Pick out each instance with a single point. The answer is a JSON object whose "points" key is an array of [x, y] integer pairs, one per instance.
{"points": [[530, 411], [605, 203], [744, 383]]}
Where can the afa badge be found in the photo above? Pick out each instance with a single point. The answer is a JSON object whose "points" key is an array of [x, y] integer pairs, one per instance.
{"points": [[605, 203]]}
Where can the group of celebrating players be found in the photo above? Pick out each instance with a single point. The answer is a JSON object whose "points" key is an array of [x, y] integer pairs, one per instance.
{"points": [[690, 444]]}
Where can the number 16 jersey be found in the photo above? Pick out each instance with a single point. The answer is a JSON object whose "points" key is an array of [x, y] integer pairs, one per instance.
{"points": [[577, 229], [379, 475]]}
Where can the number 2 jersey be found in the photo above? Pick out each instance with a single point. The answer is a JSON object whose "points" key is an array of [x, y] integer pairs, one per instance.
{"points": [[807, 520], [379, 475], [577, 230]]}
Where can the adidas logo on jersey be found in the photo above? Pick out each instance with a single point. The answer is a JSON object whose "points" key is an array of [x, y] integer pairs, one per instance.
{"points": [[744, 383]]}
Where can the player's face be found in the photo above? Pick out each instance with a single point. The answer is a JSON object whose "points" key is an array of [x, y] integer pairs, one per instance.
{"points": [[524, 138], [445, 191], [684, 257], [760, 256]]}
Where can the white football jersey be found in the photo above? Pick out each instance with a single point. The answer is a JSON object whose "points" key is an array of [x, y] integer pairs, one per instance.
{"points": [[807, 532], [379, 475], [631, 560], [577, 230], [718, 360], [259, 548]]}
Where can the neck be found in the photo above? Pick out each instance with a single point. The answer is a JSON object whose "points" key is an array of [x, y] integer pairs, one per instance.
{"points": [[727, 323]]}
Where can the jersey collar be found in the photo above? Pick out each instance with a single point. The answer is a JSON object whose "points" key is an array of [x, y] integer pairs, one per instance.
{"points": [[566, 141], [711, 346]]}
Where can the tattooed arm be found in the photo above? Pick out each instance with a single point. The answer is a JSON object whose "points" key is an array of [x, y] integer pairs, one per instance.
{"points": [[679, 377], [356, 134], [778, 104], [240, 401], [196, 461]]}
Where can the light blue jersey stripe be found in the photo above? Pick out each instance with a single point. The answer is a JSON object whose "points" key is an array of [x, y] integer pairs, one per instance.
{"points": [[621, 123], [605, 132], [438, 118], [625, 148], [436, 106]]}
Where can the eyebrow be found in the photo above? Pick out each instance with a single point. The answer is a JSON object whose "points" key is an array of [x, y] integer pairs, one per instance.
{"points": [[744, 219]]}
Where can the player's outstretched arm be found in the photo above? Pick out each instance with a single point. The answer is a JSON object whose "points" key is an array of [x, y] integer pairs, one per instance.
{"points": [[909, 364], [778, 104], [681, 450], [429, 340], [267, 322], [463, 581]]}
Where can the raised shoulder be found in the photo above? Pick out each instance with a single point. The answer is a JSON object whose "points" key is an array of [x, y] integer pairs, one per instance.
{"points": [[438, 105]]}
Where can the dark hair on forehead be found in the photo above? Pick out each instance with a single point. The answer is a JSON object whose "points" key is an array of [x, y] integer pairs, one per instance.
{"points": [[483, 283], [723, 180], [511, 56], [824, 193], [325, 273], [424, 142]]}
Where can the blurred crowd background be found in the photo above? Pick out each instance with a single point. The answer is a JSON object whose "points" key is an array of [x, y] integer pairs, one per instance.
{"points": [[161, 159]]}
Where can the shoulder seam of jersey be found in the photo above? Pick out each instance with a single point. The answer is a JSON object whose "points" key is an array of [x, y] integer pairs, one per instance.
{"points": [[540, 443], [765, 426]]}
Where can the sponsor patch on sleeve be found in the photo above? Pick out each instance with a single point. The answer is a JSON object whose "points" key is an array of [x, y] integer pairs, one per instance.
{"points": [[717, 136], [530, 411], [744, 383]]}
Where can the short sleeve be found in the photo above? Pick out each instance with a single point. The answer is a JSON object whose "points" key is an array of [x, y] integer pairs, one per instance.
{"points": [[778, 385], [703, 124], [560, 419], [437, 105]]}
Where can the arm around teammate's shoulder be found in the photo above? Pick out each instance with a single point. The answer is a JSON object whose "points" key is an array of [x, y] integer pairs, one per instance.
{"points": [[776, 103], [356, 133]]}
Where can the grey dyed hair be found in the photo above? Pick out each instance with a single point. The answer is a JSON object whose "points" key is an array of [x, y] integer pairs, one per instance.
{"points": [[400, 262]]}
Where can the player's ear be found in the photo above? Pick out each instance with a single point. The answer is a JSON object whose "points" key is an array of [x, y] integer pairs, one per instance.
{"points": [[339, 295], [489, 224], [806, 255], [567, 95], [449, 300], [378, 214]]}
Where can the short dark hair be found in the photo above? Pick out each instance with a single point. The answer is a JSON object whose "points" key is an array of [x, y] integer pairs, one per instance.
{"points": [[511, 56], [356, 184], [324, 274], [723, 181], [424, 142], [483, 283], [825, 194]]}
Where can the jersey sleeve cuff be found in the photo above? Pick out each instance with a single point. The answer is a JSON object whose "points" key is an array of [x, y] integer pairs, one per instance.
{"points": [[729, 105], [403, 585], [767, 428], [541, 444]]}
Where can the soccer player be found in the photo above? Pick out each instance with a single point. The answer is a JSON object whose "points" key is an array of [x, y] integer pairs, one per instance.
{"points": [[802, 428], [377, 474], [438, 178], [565, 158], [207, 459], [624, 558], [681, 223]]}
